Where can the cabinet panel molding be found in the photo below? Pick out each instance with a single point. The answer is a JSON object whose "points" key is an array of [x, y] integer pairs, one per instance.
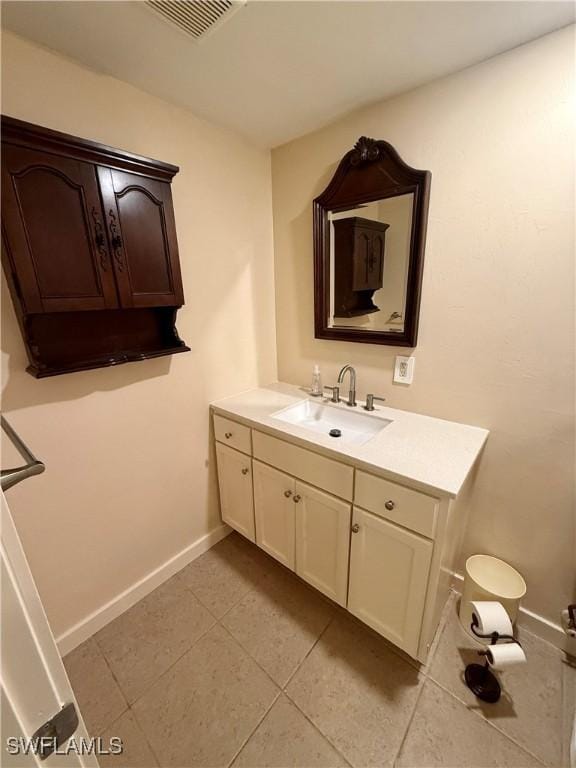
{"points": [[236, 495], [275, 513], [52, 217], [323, 541], [405, 506], [142, 232], [331, 475], [233, 434], [389, 569]]}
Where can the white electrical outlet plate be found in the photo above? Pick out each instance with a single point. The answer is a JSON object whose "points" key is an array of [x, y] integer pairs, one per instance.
{"points": [[404, 369]]}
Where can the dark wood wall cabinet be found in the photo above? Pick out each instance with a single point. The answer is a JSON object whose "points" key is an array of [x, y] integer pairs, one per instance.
{"points": [[89, 250]]}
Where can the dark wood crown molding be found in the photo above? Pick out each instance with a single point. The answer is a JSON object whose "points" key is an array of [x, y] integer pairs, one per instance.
{"points": [[25, 134]]}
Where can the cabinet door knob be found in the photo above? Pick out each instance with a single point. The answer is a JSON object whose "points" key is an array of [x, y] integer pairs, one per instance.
{"points": [[228, 435], [287, 494], [245, 471], [297, 498], [355, 528], [389, 505]]}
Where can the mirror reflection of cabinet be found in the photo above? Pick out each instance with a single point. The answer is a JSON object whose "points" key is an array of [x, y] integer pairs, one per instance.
{"points": [[359, 246]]}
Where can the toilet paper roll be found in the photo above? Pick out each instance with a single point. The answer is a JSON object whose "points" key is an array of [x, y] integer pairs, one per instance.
{"points": [[492, 617], [505, 655]]}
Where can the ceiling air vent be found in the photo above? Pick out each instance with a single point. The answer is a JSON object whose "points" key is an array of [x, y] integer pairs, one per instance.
{"points": [[196, 18]]}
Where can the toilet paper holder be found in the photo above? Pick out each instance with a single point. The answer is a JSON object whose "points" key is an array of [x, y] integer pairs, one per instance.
{"points": [[479, 677]]}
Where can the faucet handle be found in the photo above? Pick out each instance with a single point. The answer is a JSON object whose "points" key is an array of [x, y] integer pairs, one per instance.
{"points": [[369, 405], [335, 394]]}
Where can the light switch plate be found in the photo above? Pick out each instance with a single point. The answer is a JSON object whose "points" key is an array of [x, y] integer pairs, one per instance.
{"points": [[404, 369]]}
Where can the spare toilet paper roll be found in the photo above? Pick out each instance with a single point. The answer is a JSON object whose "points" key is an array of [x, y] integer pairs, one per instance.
{"points": [[492, 617], [505, 655]]}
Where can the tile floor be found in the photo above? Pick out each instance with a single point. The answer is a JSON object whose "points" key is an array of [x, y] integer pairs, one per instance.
{"points": [[235, 661]]}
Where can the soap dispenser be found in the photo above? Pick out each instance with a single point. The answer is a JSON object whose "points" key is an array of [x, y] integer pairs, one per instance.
{"points": [[316, 389]]}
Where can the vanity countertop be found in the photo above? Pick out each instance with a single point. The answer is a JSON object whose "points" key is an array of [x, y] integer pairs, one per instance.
{"points": [[430, 454]]}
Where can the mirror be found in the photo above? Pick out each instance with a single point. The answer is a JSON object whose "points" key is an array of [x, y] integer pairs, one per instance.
{"points": [[369, 232]]}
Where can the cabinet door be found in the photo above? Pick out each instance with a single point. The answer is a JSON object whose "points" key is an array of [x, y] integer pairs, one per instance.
{"points": [[368, 259], [54, 232], [142, 232], [235, 482], [388, 578], [322, 541], [362, 251], [274, 512]]}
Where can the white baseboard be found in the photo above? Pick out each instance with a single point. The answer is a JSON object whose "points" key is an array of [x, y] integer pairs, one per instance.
{"points": [[538, 625], [84, 629]]}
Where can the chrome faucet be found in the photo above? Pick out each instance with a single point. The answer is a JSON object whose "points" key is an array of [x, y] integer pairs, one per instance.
{"points": [[352, 394]]}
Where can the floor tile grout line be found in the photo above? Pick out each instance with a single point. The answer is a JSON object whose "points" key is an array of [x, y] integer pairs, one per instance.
{"points": [[128, 707], [314, 644], [247, 652], [285, 692], [487, 721], [251, 589], [162, 674], [410, 721], [253, 731], [143, 732], [318, 729], [234, 605], [125, 699]]}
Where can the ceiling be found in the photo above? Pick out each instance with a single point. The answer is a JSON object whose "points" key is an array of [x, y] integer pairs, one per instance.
{"points": [[277, 70]]}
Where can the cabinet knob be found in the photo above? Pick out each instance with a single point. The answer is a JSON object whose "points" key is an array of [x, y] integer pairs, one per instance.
{"points": [[355, 528], [245, 471], [389, 505], [297, 498], [287, 494], [228, 435]]}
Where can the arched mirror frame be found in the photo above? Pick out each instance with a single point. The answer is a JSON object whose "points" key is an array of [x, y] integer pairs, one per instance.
{"points": [[371, 171]]}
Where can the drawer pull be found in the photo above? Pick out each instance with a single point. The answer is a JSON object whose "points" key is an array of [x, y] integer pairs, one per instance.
{"points": [[297, 498], [245, 471], [355, 528], [287, 494], [389, 505], [228, 435]]}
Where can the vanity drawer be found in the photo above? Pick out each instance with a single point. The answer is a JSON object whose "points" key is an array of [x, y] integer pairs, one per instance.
{"points": [[233, 434], [330, 475], [411, 509]]}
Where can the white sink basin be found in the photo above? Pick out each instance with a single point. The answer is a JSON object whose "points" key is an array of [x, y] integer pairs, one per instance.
{"points": [[355, 428]]}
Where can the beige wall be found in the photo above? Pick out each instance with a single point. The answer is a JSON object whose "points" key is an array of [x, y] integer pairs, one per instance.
{"points": [[496, 345], [128, 484]]}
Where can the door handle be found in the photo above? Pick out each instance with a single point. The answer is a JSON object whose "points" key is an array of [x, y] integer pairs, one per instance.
{"points": [[99, 239], [115, 240]]}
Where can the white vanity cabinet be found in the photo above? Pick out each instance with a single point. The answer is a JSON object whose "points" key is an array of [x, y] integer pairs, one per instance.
{"points": [[236, 494], [323, 541], [389, 569], [274, 513], [380, 548], [304, 528]]}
